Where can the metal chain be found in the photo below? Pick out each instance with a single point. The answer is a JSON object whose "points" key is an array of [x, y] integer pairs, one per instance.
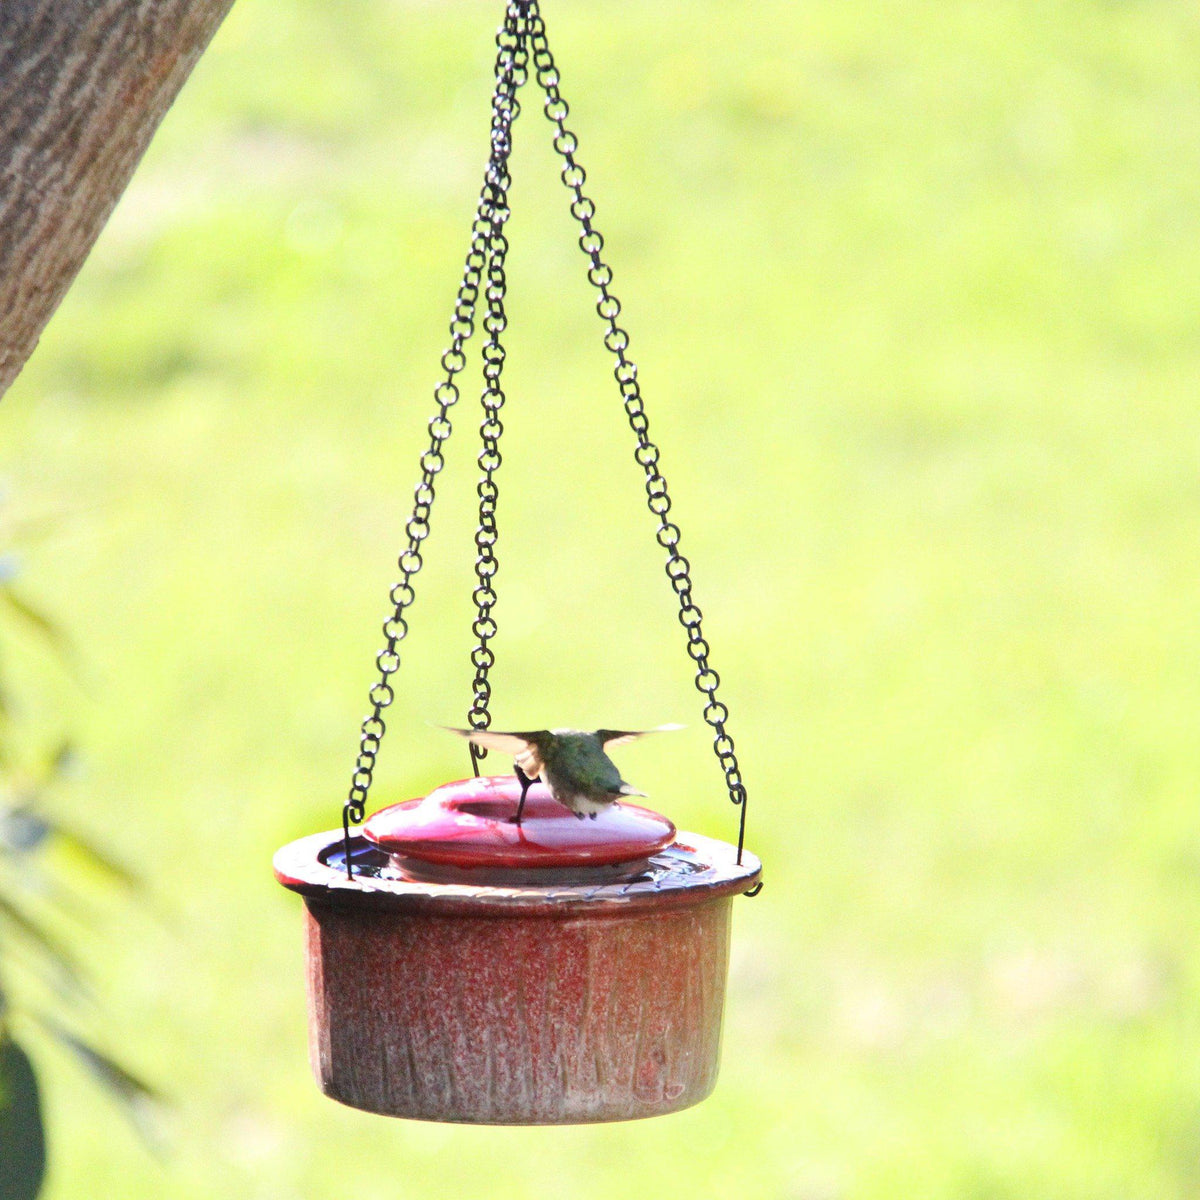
{"points": [[523, 32], [510, 42], [647, 454], [486, 564]]}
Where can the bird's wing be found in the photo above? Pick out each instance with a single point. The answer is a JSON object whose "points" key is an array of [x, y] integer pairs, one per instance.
{"points": [[522, 746], [507, 743], [618, 737]]}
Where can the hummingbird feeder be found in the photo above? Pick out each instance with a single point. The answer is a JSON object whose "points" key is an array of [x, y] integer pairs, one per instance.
{"points": [[479, 954]]}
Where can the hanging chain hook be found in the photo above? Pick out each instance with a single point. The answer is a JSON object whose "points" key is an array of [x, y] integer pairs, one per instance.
{"points": [[510, 42]]}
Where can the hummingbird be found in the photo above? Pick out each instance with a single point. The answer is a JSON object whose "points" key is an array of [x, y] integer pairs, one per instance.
{"points": [[572, 763]]}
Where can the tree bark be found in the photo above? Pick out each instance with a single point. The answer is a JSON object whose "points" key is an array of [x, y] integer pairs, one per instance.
{"points": [[83, 86]]}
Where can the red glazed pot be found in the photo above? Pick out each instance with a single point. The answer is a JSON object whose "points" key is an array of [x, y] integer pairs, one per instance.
{"points": [[504, 993]]}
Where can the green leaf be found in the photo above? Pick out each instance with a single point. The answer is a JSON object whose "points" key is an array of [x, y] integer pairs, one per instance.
{"points": [[36, 619], [46, 942], [96, 855], [32, 531], [22, 830], [22, 1135], [139, 1100], [61, 761]]}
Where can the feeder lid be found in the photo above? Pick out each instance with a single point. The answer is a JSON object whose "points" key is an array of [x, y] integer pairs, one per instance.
{"points": [[470, 824]]}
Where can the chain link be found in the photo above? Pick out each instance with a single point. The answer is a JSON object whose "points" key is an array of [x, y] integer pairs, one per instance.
{"points": [[510, 43], [520, 38], [647, 454], [486, 563]]}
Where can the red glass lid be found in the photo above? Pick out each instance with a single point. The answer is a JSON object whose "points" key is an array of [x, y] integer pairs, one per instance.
{"points": [[470, 824]]}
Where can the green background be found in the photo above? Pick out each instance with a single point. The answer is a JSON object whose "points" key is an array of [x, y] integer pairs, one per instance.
{"points": [[913, 288]]}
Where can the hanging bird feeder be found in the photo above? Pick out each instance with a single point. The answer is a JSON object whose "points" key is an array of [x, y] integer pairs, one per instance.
{"points": [[484, 953]]}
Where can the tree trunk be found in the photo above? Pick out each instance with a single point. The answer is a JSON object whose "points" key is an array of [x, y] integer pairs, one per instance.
{"points": [[83, 86]]}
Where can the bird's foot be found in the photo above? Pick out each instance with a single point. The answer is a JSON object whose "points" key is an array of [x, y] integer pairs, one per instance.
{"points": [[526, 783], [593, 815]]}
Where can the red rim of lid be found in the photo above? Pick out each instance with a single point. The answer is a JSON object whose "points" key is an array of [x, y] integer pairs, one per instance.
{"points": [[469, 823]]}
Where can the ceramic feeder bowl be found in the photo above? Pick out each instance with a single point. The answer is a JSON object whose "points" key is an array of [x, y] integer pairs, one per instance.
{"points": [[555, 972]]}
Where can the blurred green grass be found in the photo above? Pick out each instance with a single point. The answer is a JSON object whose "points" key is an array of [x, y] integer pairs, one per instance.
{"points": [[913, 289]]}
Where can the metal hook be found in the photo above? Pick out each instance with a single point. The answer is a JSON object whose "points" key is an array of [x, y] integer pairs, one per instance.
{"points": [[526, 783], [346, 840]]}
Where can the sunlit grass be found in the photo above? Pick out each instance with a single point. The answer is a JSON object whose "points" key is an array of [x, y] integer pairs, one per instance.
{"points": [[913, 292]]}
